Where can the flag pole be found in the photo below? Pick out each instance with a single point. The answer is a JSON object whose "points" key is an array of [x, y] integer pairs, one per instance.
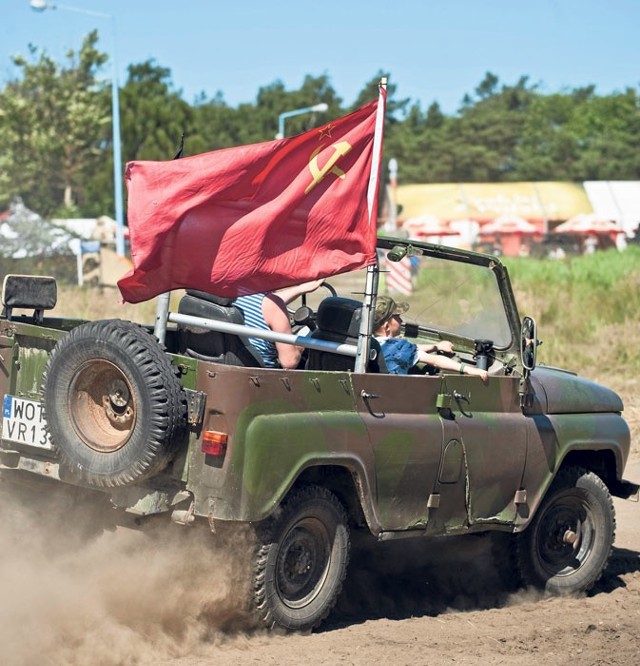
{"points": [[371, 285]]}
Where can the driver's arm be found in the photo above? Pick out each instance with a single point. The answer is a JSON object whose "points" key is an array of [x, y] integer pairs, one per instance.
{"points": [[446, 363], [288, 294], [277, 318]]}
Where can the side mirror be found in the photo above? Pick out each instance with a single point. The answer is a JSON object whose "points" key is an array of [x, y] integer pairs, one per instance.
{"points": [[529, 343]]}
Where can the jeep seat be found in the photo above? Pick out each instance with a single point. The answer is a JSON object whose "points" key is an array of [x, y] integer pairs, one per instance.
{"points": [[338, 320], [216, 346]]}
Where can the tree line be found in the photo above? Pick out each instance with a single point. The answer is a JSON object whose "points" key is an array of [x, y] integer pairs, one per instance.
{"points": [[56, 141]]}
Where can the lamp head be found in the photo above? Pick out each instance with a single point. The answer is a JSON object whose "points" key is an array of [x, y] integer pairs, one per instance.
{"points": [[399, 252], [41, 5]]}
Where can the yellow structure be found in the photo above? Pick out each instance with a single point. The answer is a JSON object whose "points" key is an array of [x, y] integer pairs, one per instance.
{"points": [[534, 201]]}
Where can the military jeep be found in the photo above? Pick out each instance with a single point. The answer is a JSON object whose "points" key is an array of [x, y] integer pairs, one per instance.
{"points": [[181, 418]]}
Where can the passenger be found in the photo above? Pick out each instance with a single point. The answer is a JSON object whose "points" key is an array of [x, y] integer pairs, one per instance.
{"points": [[268, 311], [400, 355]]}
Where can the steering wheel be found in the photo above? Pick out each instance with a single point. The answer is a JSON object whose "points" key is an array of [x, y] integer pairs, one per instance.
{"points": [[426, 369], [304, 315]]}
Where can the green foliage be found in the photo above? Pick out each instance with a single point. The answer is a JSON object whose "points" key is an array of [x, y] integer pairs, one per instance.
{"points": [[153, 116], [581, 136], [52, 126], [581, 302]]}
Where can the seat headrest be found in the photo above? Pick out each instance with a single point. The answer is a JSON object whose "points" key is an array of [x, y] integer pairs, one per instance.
{"points": [[205, 296], [29, 291], [220, 309], [339, 315]]}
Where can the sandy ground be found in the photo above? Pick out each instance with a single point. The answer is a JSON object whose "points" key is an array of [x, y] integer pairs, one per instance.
{"points": [[169, 599]]}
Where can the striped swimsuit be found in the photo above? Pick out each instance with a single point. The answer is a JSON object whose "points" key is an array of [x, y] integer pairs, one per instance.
{"points": [[253, 317]]}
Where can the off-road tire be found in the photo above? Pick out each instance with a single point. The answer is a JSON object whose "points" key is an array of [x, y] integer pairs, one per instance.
{"points": [[301, 560], [578, 507], [114, 404]]}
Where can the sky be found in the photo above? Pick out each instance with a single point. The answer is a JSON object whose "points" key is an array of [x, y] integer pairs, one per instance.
{"points": [[434, 50]]}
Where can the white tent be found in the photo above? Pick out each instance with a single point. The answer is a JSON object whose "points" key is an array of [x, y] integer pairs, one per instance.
{"points": [[617, 200]]}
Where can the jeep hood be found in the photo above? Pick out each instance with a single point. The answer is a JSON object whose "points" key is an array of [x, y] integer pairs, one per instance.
{"points": [[562, 392]]}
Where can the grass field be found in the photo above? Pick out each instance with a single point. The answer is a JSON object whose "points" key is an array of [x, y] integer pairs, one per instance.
{"points": [[588, 313], [587, 307]]}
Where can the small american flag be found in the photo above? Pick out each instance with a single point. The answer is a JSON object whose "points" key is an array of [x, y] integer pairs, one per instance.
{"points": [[399, 276]]}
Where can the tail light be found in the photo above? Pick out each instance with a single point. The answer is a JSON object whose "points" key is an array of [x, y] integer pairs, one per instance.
{"points": [[214, 443]]}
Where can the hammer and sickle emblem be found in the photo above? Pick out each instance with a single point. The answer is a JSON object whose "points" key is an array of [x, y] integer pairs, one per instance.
{"points": [[340, 149]]}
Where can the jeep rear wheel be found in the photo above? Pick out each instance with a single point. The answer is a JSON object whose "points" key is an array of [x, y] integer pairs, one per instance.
{"points": [[566, 547], [301, 560], [113, 402]]}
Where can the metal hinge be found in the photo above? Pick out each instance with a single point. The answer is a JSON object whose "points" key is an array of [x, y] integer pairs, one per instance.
{"points": [[196, 401], [520, 497]]}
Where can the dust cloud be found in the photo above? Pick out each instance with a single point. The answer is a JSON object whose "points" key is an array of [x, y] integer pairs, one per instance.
{"points": [[125, 597], [119, 597]]}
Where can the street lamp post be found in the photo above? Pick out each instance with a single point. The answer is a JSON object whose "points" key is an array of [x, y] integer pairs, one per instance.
{"points": [[41, 5], [323, 106]]}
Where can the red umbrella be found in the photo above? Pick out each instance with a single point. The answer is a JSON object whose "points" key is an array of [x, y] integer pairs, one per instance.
{"points": [[588, 224], [427, 225], [509, 224]]}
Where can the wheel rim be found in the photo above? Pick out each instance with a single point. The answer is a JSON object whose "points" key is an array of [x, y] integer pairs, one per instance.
{"points": [[566, 536], [303, 562], [102, 406]]}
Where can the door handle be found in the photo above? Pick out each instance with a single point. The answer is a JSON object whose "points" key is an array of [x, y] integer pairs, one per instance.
{"points": [[459, 398], [443, 403], [366, 396]]}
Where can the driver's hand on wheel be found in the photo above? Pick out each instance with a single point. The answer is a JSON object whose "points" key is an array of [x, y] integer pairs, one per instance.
{"points": [[445, 346]]}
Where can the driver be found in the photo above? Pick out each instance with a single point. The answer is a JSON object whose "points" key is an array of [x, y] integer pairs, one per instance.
{"points": [[400, 355], [268, 311]]}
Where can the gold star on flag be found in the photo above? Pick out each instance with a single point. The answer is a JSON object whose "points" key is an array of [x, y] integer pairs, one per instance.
{"points": [[325, 132]]}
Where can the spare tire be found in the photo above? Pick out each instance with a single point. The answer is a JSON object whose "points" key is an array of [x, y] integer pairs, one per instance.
{"points": [[114, 404]]}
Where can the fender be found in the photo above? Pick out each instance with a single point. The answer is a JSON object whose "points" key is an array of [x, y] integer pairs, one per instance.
{"points": [[275, 449], [552, 439]]}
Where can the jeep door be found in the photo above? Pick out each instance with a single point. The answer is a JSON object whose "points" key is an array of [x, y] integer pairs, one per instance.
{"points": [[443, 468], [406, 435], [489, 431]]}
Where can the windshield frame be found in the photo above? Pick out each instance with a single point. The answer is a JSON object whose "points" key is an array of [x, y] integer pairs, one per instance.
{"points": [[446, 253]]}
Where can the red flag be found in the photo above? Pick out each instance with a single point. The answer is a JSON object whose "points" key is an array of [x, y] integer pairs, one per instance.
{"points": [[258, 217]]}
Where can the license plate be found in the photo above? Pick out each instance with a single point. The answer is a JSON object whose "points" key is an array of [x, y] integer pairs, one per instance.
{"points": [[23, 422]]}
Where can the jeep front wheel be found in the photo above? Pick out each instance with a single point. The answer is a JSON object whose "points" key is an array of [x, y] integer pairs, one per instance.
{"points": [[566, 547], [301, 560]]}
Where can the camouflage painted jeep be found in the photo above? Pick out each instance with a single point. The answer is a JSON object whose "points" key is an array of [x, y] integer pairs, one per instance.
{"points": [[181, 419]]}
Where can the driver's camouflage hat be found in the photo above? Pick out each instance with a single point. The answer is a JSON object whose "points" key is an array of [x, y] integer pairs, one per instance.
{"points": [[386, 307]]}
